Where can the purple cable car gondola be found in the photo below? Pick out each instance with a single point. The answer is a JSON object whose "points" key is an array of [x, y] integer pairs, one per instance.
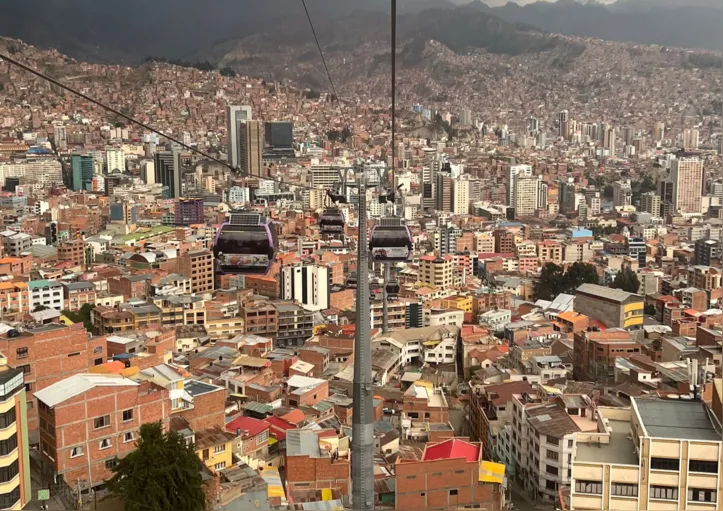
{"points": [[245, 245]]}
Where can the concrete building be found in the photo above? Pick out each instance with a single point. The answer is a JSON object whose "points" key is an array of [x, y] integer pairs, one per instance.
{"points": [[15, 243], [613, 307], [657, 455], [315, 463], [307, 284], [115, 160], [235, 116], [687, 175], [325, 176], [189, 212], [82, 172], [295, 324], [526, 195], [513, 172], [622, 193], [436, 271], [15, 482], [650, 203], [460, 196], [168, 172], [73, 251], [88, 421], [251, 148], [46, 293]]}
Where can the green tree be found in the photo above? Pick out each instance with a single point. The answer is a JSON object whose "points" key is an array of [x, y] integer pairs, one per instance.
{"points": [[83, 315], [548, 285], [227, 71], [627, 280], [578, 274], [162, 474]]}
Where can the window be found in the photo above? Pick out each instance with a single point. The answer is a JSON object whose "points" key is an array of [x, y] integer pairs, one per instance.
{"points": [[664, 492], [21, 353], [101, 422], [76, 452], [700, 495], [105, 443], [127, 415], [219, 448], [220, 466], [588, 487], [552, 455], [710, 467], [9, 445], [50, 429], [550, 485], [28, 387], [570, 442], [128, 437], [74, 354], [411, 477], [625, 490], [98, 349], [553, 441], [8, 473], [459, 471], [9, 500], [665, 464], [110, 464], [98, 361], [26, 369], [453, 492], [7, 418], [551, 470]]}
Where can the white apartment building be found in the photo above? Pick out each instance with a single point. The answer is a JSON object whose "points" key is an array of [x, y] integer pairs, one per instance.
{"points": [[309, 285], [47, 293], [496, 319], [659, 454], [442, 353]]}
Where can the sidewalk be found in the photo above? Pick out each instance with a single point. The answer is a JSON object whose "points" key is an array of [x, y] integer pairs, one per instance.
{"points": [[523, 502]]}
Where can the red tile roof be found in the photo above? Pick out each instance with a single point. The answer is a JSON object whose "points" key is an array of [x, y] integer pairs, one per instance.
{"points": [[452, 449], [248, 426]]}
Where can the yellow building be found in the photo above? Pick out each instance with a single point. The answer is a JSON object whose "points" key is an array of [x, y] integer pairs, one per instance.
{"points": [[660, 454], [15, 490], [463, 303], [436, 271], [214, 447], [224, 328]]}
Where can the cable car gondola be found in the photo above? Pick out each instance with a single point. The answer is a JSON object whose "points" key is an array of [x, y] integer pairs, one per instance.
{"points": [[332, 221], [246, 244], [390, 241], [393, 289]]}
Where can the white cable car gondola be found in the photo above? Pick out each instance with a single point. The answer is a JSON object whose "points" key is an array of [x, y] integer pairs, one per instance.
{"points": [[390, 241], [246, 244]]}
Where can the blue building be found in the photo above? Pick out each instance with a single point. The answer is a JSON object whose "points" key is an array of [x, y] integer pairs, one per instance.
{"points": [[82, 172]]}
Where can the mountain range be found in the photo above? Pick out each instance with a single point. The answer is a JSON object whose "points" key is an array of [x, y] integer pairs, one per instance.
{"points": [[188, 29]]}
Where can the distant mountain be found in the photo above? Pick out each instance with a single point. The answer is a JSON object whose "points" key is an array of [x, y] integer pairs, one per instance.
{"points": [[132, 30], [661, 22]]}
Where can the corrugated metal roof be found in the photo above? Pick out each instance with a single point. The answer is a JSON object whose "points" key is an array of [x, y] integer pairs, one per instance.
{"points": [[77, 384]]}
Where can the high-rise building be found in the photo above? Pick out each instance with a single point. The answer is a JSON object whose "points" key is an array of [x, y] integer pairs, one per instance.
{"points": [[325, 176], [60, 136], [690, 139], [14, 448], [563, 119], [665, 190], [436, 271], [513, 172], [148, 172], [526, 195], [168, 173], [533, 124], [687, 176], [659, 131], [251, 148], [628, 135], [650, 203], [444, 192], [429, 183], [308, 284], [460, 196], [82, 167], [189, 211], [622, 193], [115, 160], [235, 115], [465, 117], [566, 197]]}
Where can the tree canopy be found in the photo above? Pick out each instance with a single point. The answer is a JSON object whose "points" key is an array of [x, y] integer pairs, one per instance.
{"points": [[83, 315], [627, 280], [163, 473], [555, 280]]}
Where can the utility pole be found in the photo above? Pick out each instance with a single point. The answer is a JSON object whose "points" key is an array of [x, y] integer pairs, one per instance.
{"points": [[362, 461], [385, 300]]}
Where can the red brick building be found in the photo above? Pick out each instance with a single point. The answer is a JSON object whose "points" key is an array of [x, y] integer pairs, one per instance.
{"points": [[311, 464], [49, 354], [73, 251], [252, 436], [305, 391], [318, 357], [209, 403], [77, 294], [87, 420], [130, 286], [425, 403], [446, 477]]}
